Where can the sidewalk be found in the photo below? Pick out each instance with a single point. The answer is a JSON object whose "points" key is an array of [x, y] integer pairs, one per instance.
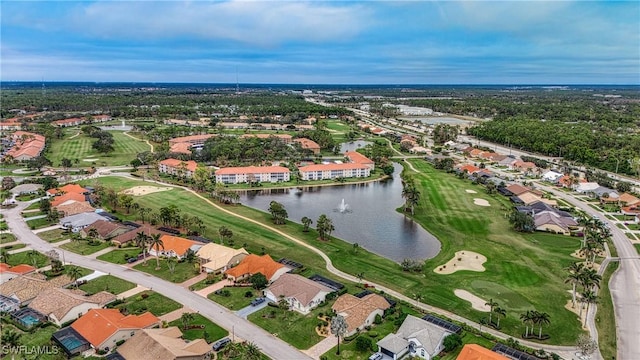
{"points": [[193, 280], [322, 347], [175, 314], [211, 288], [10, 244], [52, 227], [57, 244], [101, 252], [11, 252]]}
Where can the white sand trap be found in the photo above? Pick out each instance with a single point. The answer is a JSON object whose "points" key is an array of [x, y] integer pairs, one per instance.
{"points": [[476, 302], [481, 202], [144, 190], [469, 260], [90, 160], [469, 191]]}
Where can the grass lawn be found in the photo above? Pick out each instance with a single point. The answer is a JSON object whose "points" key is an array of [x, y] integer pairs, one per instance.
{"points": [[633, 226], [183, 271], [292, 327], [125, 149], [210, 280], [237, 300], [213, 331], [25, 257], [155, 303], [637, 246], [14, 247], [7, 238], [31, 214], [107, 283], [605, 318], [83, 248], [39, 223], [54, 235], [40, 338], [35, 205], [338, 126], [631, 236], [117, 256]]}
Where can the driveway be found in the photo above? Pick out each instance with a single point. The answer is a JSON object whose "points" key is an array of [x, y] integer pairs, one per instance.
{"points": [[244, 312], [271, 346]]}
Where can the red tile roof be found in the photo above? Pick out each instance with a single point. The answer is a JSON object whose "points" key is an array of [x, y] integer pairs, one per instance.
{"points": [[18, 269], [191, 139], [329, 167], [253, 264], [97, 325], [175, 163], [59, 200], [477, 352], [358, 158], [252, 170], [73, 188], [469, 168], [177, 244], [181, 148], [307, 143]]}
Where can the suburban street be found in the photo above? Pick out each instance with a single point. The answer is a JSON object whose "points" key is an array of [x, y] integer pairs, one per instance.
{"points": [[268, 344]]}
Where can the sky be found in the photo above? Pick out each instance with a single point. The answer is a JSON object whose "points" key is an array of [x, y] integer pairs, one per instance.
{"points": [[322, 42]]}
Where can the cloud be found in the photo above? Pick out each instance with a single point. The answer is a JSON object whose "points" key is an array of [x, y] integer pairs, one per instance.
{"points": [[263, 23]]}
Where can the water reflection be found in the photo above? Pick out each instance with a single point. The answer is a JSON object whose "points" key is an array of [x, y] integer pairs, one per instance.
{"points": [[371, 221]]}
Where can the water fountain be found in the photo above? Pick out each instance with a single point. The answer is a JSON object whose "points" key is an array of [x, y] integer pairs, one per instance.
{"points": [[343, 207]]}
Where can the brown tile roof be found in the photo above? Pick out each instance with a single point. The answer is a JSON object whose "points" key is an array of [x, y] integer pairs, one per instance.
{"points": [[130, 235], [252, 170], [162, 344], [307, 143], [477, 352], [97, 325], [298, 287], [75, 207], [517, 189], [27, 287], [357, 310], [255, 264], [104, 228], [60, 301]]}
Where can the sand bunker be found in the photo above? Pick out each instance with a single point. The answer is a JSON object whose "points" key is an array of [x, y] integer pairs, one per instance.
{"points": [[144, 190], [481, 202], [476, 302], [464, 260], [469, 191], [90, 160]]}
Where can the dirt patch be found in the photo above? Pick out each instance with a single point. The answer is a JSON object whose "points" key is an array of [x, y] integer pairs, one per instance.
{"points": [[481, 202], [144, 190], [463, 260], [476, 302], [469, 191]]}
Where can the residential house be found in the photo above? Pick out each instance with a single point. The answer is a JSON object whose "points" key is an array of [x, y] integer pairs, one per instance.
{"points": [[551, 221], [286, 138], [357, 158], [77, 222], [253, 264], [233, 125], [602, 191], [163, 344], [625, 199], [25, 189], [72, 207], [360, 312], [25, 288], [477, 352], [332, 171], [8, 304], [69, 122], [67, 198], [308, 144], [467, 168], [302, 294], [523, 166], [215, 258], [586, 187], [103, 328], [63, 305], [508, 161], [131, 235], [178, 167], [243, 174], [26, 146], [551, 176], [106, 229], [67, 189], [415, 337], [8, 272], [174, 246], [517, 189], [529, 198]]}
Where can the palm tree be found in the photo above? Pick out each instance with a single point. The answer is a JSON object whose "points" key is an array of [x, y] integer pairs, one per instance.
{"points": [[588, 297], [34, 257], [186, 319], [589, 279], [526, 319], [500, 312], [338, 328], [143, 211], [305, 223], [93, 234], [10, 338], [4, 256], [541, 319], [74, 273], [225, 233], [156, 243], [491, 304], [252, 351], [142, 240], [324, 225], [574, 277], [171, 264]]}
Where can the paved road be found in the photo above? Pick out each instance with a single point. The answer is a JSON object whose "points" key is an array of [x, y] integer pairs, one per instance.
{"points": [[624, 284], [268, 344]]}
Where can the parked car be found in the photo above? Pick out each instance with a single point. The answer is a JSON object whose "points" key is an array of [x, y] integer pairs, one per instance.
{"points": [[376, 356], [132, 260], [220, 344], [257, 301]]}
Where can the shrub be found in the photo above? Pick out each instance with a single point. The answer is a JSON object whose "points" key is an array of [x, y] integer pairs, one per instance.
{"points": [[139, 298], [451, 342], [364, 344], [248, 294], [378, 319], [373, 334], [120, 342], [144, 295]]}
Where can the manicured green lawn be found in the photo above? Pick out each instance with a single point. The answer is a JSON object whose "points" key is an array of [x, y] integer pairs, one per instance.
{"points": [[40, 338], [117, 256], [183, 271], [25, 258], [82, 247], [54, 235], [35, 205], [237, 300], [39, 223], [605, 318], [7, 238], [13, 247], [125, 150], [205, 283], [155, 303], [213, 332], [637, 246], [107, 283], [30, 214], [290, 326]]}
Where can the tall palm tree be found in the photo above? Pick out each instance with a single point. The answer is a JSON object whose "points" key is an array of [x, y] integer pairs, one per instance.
{"points": [[500, 312], [542, 319], [588, 297], [156, 243], [574, 278], [305, 223], [338, 328], [142, 240], [590, 279], [491, 304], [527, 318], [74, 273]]}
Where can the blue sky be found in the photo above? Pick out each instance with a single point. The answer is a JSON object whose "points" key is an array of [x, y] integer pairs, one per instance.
{"points": [[324, 42]]}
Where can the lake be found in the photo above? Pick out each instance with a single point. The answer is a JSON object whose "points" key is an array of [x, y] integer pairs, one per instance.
{"points": [[370, 220], [353, 146]]}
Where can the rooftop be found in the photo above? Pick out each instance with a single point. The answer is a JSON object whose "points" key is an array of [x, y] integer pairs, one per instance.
{"points": [[97, 325]]}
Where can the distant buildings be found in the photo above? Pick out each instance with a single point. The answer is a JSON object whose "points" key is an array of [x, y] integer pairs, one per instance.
{"points": [[178, 167], [239, 175], [185, 144], [25, 146], [307, 144], [286, 138]]}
